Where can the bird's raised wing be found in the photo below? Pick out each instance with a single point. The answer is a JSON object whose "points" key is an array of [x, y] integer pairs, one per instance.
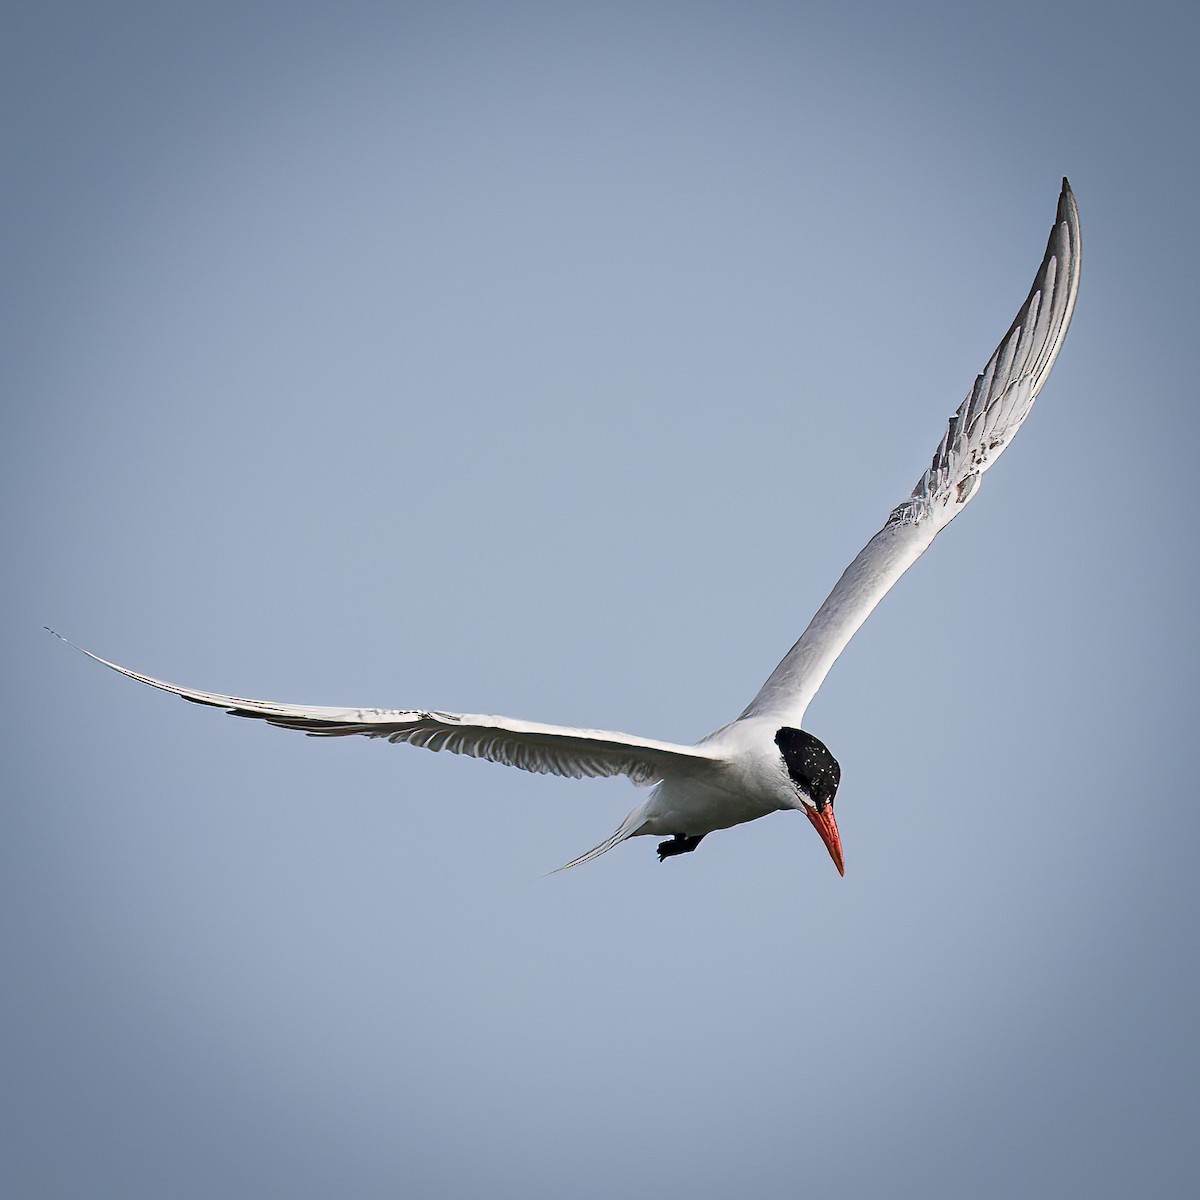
{"points": [[978, 433], [542, 749]]}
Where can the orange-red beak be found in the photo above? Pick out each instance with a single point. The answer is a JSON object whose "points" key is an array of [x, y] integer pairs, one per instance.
{"points": [[826, 826]]}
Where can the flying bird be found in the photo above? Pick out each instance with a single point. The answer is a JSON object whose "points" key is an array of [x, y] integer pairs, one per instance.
{"points": [[764, 761]]}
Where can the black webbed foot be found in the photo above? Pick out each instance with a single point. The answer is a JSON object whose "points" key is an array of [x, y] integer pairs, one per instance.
{"points": [[679, 844]]}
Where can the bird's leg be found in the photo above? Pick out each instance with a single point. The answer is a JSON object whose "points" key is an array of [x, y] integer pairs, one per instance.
{"points": [[679, 844]]}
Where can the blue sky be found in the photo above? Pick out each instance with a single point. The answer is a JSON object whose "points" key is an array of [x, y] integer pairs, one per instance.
{"points": [[553, 360]]}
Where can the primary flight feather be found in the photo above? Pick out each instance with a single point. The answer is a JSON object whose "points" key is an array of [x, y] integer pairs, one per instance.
{"points": [[764, 761]]}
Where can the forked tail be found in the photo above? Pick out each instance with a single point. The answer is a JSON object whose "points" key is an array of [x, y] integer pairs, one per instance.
{"points": [[626, 830]]}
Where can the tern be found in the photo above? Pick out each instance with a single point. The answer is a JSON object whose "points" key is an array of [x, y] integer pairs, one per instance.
{"points": [[764, 761]]}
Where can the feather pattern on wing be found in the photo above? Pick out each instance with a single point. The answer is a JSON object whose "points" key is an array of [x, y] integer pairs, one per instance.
{"points": [[1005, 390], [527, 745], [976, 435]]}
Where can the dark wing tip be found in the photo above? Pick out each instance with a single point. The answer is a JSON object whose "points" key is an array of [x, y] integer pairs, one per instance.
{"points": [[1068, 209]]}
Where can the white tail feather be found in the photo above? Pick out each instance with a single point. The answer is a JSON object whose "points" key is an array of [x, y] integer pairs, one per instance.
{"points": [[627, 829]]}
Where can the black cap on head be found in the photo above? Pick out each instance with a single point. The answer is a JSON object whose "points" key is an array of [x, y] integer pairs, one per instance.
{"points": [[811, 767]]}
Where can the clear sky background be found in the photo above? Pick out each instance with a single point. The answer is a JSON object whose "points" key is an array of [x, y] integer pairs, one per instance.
{"points": [[553, 360]]}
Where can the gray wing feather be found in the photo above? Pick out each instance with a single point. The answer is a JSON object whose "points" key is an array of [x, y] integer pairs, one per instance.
{"points": [[527, 745], [976, 436], [1005, 390]]}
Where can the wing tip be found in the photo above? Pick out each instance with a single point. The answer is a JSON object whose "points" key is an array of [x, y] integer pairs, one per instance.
{"points": [[68, 642], [1068, 211]]}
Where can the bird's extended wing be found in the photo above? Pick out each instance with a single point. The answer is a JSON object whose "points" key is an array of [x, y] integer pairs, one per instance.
{"points": [[542, 749], [978, 433]]}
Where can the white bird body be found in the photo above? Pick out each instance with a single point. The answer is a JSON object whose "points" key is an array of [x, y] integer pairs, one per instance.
{"points": [[763, 761], [747, 782]]}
